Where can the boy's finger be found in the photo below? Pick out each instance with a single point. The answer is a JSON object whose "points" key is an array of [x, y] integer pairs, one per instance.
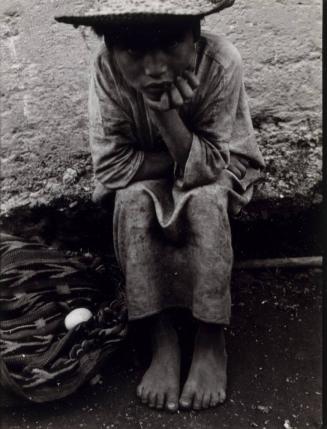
{"points": [[241, 168], [154, 105], [176, 97], [165, 102], [238, 159], [161, 105], [235, 171], [184, 88], [192, 79], [244, 162], [239, 164]]}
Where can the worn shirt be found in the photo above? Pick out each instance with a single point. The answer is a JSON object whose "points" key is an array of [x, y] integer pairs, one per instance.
{"points": [[218, 116]]}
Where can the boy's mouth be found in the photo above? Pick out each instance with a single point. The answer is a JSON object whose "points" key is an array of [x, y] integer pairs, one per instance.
{"points": [[157, 88]]}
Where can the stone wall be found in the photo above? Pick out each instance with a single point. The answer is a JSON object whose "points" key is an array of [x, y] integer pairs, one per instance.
{"points": [[44, 79]]}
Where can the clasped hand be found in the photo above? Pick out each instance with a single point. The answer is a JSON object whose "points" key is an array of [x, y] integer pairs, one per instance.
{"points": [[181, 91]]}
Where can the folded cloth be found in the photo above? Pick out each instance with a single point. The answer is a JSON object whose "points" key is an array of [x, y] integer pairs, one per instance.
{"points": [[40, 359]]}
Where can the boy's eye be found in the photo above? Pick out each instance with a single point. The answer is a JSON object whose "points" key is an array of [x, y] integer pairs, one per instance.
{"points": [[133, 52], [173, 44]]}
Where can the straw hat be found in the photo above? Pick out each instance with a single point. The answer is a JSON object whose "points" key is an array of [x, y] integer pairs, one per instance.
{"points": [[108, 11]]}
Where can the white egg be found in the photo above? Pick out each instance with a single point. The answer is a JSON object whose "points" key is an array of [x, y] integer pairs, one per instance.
{"points": [[77, 316]]}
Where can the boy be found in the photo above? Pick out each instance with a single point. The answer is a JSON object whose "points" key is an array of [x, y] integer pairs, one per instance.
{"points": [[171, 134]]}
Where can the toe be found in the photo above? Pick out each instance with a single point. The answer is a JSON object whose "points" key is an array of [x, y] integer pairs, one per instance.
{"points": [[186, 402], [214, 401], [197, 401], [139, 391], [160, 401], [172, 406], [152, 399], [144, 396], [172, 401], [222, 396], [186, 399], [206, 400]]}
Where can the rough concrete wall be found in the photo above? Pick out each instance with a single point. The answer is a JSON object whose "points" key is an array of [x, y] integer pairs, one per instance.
{"points": [[44, 79]]}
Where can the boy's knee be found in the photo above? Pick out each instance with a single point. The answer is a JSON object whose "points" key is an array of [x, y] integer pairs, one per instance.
{"points": [[210, 195], [133, 195]]}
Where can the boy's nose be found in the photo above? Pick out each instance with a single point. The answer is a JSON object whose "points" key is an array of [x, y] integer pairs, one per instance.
{"points": [[155, 65]]}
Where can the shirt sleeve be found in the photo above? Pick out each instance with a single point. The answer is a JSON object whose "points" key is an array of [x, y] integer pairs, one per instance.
{"points": [[114, 152], [213, 123]]}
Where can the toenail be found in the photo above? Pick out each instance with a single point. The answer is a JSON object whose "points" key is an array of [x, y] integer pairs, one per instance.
{"points": [[171, 405]]}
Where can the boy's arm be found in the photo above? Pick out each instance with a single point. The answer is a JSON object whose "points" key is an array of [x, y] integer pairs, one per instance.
{"points": [[154, 166], [166, 117], [117, 161], [200, 152], [170, 124], [173, 130], [201, 149]]}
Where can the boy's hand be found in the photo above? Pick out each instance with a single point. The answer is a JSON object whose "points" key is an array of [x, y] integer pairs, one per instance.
{"points": [[238, 165], [180, 92]]}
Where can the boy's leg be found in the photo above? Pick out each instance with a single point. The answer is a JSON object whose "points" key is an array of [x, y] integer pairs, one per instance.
{"points": [[213, 257], [159, 387], [206, 383]]}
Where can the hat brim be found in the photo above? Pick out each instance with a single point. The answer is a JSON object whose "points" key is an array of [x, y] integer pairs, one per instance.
{"points": [[110, 18], [92, 20]]}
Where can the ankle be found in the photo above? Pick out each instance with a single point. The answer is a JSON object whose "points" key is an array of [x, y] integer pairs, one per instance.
{"points": [[163, 335], [213, 332], [210, 338]]}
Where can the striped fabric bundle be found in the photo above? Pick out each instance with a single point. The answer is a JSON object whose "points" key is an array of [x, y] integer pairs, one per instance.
{"points": [[39, 358]]}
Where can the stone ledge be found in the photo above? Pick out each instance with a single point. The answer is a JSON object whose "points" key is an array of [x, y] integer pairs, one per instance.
{"points": [[44, 101], [265, 229], [291, 181]]}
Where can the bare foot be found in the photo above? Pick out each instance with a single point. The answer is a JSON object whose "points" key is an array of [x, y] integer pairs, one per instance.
{"points": [[206, 383], [159, 387]]}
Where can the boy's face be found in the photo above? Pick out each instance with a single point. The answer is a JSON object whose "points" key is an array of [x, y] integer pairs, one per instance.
{"points": [[152, 62]]}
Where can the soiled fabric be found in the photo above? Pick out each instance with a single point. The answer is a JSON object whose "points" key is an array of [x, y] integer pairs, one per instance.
{"points": [[172, 236], [171, 253]]}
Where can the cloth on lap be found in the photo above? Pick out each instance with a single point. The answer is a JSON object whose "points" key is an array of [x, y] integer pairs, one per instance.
{"points": [[174, 248]]}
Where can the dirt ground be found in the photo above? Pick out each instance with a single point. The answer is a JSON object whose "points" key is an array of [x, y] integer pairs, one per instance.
{"points": [[274, 347]]}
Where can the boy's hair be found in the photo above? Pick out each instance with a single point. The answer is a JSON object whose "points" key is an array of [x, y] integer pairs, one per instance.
{"points": [[132, 32]]}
